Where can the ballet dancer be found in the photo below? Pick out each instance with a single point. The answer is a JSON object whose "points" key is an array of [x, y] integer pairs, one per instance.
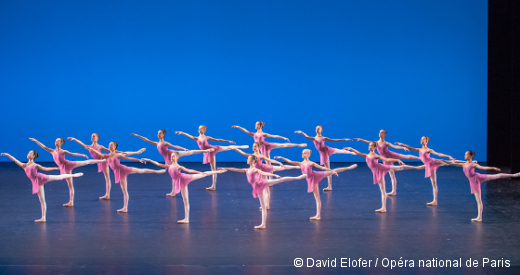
{"points": [[325, 151], [382, 149], [162, 147], [181, 180], [379, 170], [265, 167], [38, 179], [202, 141], [66, 166], [266, 147], [476, 179], [102, 166], [254, 177], [314, 177], [431, 164], [121, 171]]}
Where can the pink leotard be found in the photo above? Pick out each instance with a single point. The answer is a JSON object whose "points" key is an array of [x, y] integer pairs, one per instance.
{"points": [[179, 178], [265, 147], [384, 152], [65, 165], [204, 145], [101, 166], [165, 152], [120, 171], [313, 177], [36, 178], [378, 169], [430, 164], [263, 167], [255, 179], [475, 179], [325, 151]]}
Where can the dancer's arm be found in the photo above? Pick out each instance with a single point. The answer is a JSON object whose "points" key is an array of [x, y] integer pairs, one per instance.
{"points": [[190, 170], [267, 174], [355, 151], [458, 164], [129, 158], [323, 168], [243, 129], [79, 142], [175, 146], [46, 168], [184, 134], [242, 153], [336, 139], [397, 147], [485, 167], [275, 136], [390, 159], [130, 153], [155, 162], [431, 151], [407, 146], [362, 140], [97, 152], [74, 154], [41, 145], [19, 163], [145, 139], [271, 160], [235, 169], [220, 140], [304, 134], [289, 161]]}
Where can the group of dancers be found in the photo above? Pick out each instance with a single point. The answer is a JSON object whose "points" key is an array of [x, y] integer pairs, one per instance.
{"points": [[260, 173]]}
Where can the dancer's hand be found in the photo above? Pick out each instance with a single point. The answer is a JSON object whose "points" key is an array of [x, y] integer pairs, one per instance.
{"points": [[496, 169], [400, 162], [406, 149], [357, 139], [71, 138], [348, 139], [186, 150], [277, 157], [85, 156], [142, 161], [348, 148], [451, 158], [234, 126], [298, 132], [335, 173], [287, 139], [277, 176], [178, 132], [232, 142], [281, 166], [204, 174], [32, 139], [398, 143], [222, 170], [4, 154], [145, 159]]}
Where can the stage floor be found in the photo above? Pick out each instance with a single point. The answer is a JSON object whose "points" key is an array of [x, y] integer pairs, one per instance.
{"points": [[92, 238]]}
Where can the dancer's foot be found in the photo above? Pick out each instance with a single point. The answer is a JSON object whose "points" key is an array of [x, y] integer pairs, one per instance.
{"points": [[381, 210], [477, 219], [69, 204], [433, 203], [77, 175], [122, 210], [393, 193], [329, 188], [172, 194], [243, 147], [161, 171], [105, 197], [262, 226], [315, 218], [183, 221], [211, 188], [302, 145], [40, 220], [141, 150]]}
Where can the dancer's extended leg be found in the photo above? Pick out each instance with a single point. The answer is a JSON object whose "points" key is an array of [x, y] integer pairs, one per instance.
{"points": [[285, 167], [146, 171], [87, 162], [339, 170], [286, 145]]}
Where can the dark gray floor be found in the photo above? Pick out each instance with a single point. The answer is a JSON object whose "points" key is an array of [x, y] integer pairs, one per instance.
{"points": [[92, 238]]}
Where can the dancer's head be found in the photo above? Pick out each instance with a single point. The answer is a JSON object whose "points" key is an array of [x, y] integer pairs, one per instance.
{"points": [[251, 159], [319, 129], [32, 155], [469, 155], [59, 142], [112, 146], [174, 157], [256, 146], [259, 125], [202, 129], [306, 153], [382, 133], [161, 133], [425, 140], [372, 146], [94, 137]]}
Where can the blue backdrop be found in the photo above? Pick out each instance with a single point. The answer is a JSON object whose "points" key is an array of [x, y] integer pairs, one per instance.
{"points": [[71, 68]]}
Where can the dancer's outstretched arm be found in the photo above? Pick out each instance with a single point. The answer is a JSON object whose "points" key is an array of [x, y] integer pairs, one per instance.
{"points": [[458, 164], [323, 168], [47, 168], [270, 160], [129, 158], [289, 161], [362, 140], [190, 170], [275, 136], [74, 154], [145, 139], [243, 129], [220, 140], [97, 152], [267, 174], [431, 151], [304, 134], [132, 153], [485, 167], [175, 146], [156, 163], [355, 151], [79, 142], [242, 153], [184, 134], [336, 139], [235, 169], [397, 147], [407, 146], [19, 163], [41, 145]]}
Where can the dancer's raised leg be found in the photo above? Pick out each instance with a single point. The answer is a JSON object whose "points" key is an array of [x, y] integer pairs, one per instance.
{"points": [[285, 167], [146, 171], [87, 162], [286, 145]]}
